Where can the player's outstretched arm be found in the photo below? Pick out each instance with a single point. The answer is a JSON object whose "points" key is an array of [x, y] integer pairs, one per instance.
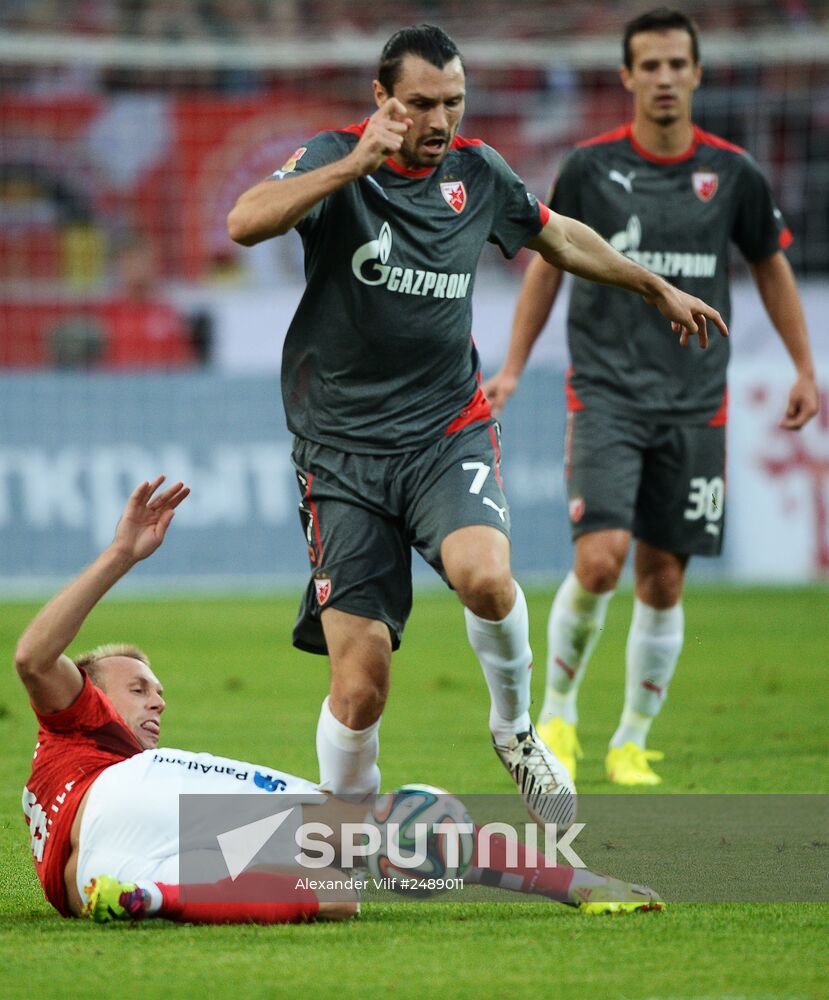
{"points": [[532, 310], [271, 208], [51, 678], [574, 247], [778, 290]]}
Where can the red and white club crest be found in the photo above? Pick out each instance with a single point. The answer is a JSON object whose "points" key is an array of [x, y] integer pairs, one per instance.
{"points": [[322, 583], [454, 194], [576, 509], [705, 184]]}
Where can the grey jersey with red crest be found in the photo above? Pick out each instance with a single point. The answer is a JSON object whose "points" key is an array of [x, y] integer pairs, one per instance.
{"points": [[379, 356], [676, 217]]}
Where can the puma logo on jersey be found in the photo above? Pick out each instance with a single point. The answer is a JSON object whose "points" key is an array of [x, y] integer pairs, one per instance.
{"points": [[668, 263], [491, 503], [369, 266], [626, 180]]}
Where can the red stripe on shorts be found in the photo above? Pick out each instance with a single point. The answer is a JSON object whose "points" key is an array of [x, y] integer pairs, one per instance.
{"points": [[497, 451], [314, 516]]}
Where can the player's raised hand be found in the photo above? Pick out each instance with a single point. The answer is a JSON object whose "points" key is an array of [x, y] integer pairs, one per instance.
{"points": [[146, 517], [688, 315], [498, 390], [383, 136], [803, 403]]}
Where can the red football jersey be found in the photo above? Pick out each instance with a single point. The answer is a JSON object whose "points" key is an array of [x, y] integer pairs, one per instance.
{"points": [[73, 747]]}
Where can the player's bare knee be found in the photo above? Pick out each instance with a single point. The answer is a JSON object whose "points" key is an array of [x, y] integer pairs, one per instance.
{"points": [[660, 576], [358, 698], [598, 571], [660, 590], [486, 588], [600, 557]]}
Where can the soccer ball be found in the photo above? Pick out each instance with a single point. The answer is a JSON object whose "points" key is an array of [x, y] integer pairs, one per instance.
{"points": [[413, 858]]}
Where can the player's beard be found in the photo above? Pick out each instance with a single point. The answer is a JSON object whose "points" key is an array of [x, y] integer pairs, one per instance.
{"points": [[666, 116], [663, 120], [414, 159]]}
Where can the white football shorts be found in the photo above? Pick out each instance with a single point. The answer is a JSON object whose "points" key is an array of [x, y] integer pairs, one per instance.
{"points": [[130, 826]]}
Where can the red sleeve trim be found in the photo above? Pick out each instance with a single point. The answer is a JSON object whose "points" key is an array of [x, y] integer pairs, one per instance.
{"points": [[544, 213], [459, 142], [786, 239]]}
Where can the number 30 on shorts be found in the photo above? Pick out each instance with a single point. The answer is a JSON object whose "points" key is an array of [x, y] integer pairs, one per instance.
{"points": [[705, 499]]}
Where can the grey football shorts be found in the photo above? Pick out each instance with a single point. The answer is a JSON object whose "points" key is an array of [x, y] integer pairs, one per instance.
{"points": [[363, 514], [665, 483]]}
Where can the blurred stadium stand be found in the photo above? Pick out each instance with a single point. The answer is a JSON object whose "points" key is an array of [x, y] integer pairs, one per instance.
{"points": [[304, 19], [129, 127]]}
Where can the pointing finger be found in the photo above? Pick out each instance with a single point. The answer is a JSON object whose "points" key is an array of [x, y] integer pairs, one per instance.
{"points": [[394, 108]]}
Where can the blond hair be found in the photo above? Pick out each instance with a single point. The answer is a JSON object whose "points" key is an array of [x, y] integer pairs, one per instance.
{"points": [[89, 661]]}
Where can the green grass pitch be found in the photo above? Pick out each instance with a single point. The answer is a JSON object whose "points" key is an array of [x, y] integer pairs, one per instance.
{"points": [[747, 713]]}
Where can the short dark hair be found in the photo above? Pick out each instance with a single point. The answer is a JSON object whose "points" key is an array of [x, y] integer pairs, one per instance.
{"points": [[661, 19], [424, 40]]}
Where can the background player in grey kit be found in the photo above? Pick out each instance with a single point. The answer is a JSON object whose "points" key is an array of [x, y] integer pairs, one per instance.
{"points": [[645, 448], [395, 443]]}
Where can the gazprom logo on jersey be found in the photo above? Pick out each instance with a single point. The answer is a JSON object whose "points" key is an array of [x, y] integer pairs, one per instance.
{"points": [[370, 266], [668, 263]]}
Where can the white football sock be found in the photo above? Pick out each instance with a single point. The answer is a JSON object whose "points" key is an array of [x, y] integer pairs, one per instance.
{"points": [[653, 647], [503, 648], [573, 629], [347, 757], [633, 728]]}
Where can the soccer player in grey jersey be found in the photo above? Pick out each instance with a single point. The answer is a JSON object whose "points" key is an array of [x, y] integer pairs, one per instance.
{"points": [[395, 445], [645, 447]]}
